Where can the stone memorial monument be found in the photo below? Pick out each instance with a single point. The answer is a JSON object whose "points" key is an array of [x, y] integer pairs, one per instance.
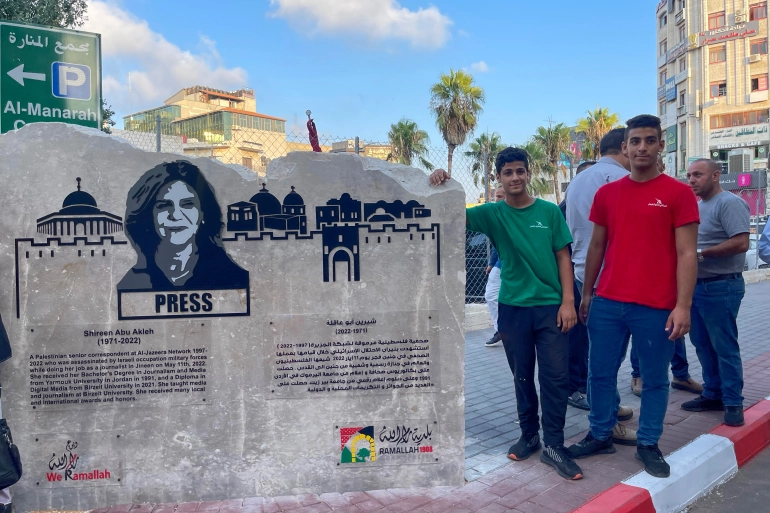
{"points": [[182, 332]]}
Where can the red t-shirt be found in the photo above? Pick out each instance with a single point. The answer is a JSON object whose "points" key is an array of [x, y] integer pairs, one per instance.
{"points": [[640, 217]]}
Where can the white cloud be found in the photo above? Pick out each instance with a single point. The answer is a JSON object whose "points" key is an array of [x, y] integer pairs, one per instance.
{"points": [[479, 67], [377, 20], [158, 67]]}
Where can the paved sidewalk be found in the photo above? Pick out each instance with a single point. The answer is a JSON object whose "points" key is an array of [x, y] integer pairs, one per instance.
{"points": [[498, 484]]}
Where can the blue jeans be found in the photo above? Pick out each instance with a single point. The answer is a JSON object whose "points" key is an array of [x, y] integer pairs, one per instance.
{"points": [[609, 325], [714, 333], [679, 366]]}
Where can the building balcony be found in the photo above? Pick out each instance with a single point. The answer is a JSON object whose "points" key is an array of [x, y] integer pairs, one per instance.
{"points": [[681, 110], [758, 96], [680, 16]]}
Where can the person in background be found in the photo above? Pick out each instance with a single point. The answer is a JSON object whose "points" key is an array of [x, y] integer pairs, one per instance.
{"points": [[612, 166], [645, 290], [578, 336], [763, 248], [723, 239], [493, 283], [680, 367], [536, 305]]}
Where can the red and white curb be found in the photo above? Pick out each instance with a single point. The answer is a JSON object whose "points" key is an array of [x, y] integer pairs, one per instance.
{"points": [[696, 469]]}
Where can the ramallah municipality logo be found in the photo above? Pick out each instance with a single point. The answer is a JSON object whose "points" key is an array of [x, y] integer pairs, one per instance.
{"points": [[357, 445], [658, 203], [538, 225]]}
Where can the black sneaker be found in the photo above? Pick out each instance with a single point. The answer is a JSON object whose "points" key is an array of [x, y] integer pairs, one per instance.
{"points": [[578, 400], [559, 458], [734, 416], [701, 403], [523, 449], [495, 340], [654, 464], [590, 446]]}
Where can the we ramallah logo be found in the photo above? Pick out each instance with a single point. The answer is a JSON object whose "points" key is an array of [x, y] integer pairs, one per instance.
{"points": [[538, 225], [658, 204], [64, 467]]}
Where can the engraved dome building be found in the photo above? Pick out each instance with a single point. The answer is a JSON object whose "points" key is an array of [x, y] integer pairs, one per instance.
{"points": [[79, 216]]}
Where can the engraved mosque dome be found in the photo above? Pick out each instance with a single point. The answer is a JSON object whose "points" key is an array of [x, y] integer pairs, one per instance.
{"points": [[79, 202], [293, 199], [267, 204]]}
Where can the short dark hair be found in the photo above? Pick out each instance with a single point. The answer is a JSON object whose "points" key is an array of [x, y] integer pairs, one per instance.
{"points": [[643, 121], [511, 154], [612, 142], [585, 165]]}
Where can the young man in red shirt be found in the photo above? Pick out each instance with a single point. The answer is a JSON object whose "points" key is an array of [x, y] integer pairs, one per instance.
{"points": [[645, 233]]}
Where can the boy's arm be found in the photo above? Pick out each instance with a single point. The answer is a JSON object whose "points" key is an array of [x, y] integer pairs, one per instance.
{"points": [[678, 323], [596, 249], [566, 318], [440, 176]]}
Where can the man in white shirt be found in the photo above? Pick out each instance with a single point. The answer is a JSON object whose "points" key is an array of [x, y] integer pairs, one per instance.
{"points": [[580, 196]]}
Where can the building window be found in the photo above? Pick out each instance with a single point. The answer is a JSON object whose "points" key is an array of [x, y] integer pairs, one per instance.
{"points": [[758, 11], [759, 46], [682, 64], [718, 54], [738, 119], [759, 83], [663, 77], [663, 47], [681, 4], [682, 98], [718, 89], [682, 33], [716, 20], [662, 108], [663, 20]]}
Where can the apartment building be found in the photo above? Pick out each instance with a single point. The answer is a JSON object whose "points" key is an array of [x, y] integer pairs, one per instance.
{"points": [[712, 79]]}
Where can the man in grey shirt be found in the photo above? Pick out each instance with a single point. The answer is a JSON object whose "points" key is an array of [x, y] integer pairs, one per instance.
{"points": [[723, 239]]}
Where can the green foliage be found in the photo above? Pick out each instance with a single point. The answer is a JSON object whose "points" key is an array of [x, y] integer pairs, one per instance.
{"points": [[488, 145], [408, 142], [555, 141], [107, 113], [595, 126], [541, 183], [456, 102], [55, 13]]}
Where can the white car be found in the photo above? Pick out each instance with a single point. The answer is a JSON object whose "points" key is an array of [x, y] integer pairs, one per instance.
{"points": [[752, 260]]}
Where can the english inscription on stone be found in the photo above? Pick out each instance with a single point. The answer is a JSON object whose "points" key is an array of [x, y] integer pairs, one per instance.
{"points": [[184, 332]]}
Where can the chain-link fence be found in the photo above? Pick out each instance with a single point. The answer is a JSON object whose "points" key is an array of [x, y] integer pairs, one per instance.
{"points": [[232, 140]]}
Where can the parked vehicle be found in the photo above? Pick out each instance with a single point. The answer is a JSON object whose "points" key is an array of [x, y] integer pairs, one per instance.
{"points": [[752, 260]]}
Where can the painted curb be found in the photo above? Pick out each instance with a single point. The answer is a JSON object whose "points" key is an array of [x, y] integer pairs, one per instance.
{"points": [[696, 469]]}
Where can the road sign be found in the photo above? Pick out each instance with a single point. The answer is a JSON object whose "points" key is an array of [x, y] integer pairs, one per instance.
{"points": [[49, 74]]}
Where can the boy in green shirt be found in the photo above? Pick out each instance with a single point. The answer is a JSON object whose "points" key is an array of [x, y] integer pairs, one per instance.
{"points": [[536, 304]]}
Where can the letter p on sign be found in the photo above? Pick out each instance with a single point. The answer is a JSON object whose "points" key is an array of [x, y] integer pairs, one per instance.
{"points": [[71, 81]]}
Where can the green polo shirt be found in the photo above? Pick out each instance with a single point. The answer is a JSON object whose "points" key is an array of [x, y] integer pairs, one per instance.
{"points": [[526, 239]]}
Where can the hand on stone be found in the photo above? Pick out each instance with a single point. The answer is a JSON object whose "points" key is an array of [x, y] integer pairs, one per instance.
{"points": [[439, 176]]}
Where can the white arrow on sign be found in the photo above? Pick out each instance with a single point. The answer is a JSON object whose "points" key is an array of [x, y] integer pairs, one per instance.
{"points": [[18, 74]]}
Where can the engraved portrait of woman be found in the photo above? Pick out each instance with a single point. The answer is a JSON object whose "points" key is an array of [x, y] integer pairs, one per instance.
{"points": [[174, 223]]}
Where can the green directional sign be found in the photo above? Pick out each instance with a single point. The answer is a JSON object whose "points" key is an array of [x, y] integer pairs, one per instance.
{"points": [[49, 74]]}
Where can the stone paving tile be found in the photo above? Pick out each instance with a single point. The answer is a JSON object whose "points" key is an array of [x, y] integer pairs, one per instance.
{"points": [[497, 484]]}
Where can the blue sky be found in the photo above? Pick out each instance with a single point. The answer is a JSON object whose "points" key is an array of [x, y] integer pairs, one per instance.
{"points": [[361, 71]]}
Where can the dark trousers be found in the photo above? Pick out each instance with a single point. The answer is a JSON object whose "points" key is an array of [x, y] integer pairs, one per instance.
{"points": [[530, 334], [578, 350]]}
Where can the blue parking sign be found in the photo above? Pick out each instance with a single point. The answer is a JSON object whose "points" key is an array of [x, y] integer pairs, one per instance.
{"points": [[71, 81]]}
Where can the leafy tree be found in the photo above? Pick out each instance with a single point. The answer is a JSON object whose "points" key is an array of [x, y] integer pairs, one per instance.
{"points": [[56, 13], [408, 142], [485, 145], [595, 126], [107, 113], [555, 141], [541, 183], [456, 102]]}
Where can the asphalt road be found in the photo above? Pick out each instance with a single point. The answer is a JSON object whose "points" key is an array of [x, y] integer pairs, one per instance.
{"points": [[748, 491]]}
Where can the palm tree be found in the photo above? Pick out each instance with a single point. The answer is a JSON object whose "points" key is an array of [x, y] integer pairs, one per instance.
{"points": [[555, 141], [595, 126], [408, 142], [456, 103], [485, 145], [541, 183]]}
